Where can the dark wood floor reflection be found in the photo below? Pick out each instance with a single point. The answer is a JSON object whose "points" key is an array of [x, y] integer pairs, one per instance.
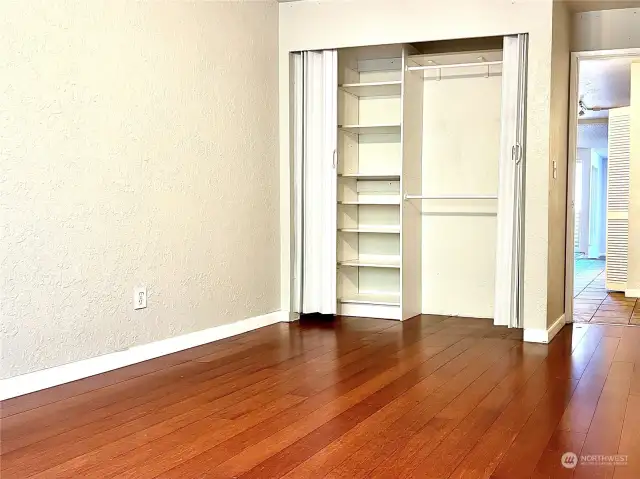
{"points": [[432, 397]]}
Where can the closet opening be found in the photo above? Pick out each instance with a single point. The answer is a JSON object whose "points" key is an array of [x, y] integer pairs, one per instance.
{"points": [[598, 213], [416, 205]]}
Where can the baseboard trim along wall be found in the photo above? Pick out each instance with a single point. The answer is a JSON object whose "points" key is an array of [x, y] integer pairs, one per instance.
{"points": [[46, 378], [544, 335], [632, 293]]}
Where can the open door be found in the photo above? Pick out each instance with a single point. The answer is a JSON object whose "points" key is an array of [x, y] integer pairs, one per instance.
{"points": [[618, 199], [509, 291]]}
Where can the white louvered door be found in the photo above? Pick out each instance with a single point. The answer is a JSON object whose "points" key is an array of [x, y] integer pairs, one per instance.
{"points": [[618, 199]]}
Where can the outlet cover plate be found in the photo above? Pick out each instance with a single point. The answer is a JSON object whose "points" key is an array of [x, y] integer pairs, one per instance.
{"points": [[140, 298]]}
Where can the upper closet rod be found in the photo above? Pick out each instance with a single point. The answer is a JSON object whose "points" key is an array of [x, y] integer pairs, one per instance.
{"points": [[450, 197], [454, 65]]}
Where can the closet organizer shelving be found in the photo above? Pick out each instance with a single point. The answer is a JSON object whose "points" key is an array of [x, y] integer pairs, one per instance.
{"points": [[371, 135], [409, 179]]}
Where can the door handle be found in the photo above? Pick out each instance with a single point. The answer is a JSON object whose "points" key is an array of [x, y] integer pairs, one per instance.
{"points": [[516, 153]]}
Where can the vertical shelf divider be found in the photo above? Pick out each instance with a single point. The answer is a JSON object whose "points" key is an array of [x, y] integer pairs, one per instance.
{"points": [[411, 182]]}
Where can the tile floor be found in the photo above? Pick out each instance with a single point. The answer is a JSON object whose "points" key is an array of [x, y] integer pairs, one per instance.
{"points": [[593, 304]]}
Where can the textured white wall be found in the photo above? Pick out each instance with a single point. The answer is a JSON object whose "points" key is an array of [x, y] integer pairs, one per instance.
{"points": [[633, 274], [138, 147], [606, 30], [321, 24], [558, 152]]}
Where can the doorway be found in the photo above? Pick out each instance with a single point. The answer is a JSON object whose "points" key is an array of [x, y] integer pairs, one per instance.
{"points": [[600, 97]]}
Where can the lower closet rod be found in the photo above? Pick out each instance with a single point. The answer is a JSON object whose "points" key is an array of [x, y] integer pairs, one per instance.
{"points": [[451, 197]]}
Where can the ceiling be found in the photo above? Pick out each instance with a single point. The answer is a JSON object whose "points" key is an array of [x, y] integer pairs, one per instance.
{"points": [[594, 5], [605, 83], [577, 6], [593, 134], [581, 5]]}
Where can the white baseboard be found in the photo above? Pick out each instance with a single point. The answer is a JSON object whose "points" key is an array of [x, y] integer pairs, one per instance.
{"points": [[544, 336], [632, 293], [46, 378]]}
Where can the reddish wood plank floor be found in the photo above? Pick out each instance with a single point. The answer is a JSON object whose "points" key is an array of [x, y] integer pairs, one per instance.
{"points": [[432, 397]]}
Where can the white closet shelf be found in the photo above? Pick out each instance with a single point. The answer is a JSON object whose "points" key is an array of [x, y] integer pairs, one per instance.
{"points": [[371, 176], [458, 60], [385, 299], [393, 262], [371, 129], [388, 88], [394, 201], [373, 229]]}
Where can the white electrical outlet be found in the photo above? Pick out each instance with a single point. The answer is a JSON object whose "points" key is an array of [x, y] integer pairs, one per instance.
{"points": [[140, 298]]}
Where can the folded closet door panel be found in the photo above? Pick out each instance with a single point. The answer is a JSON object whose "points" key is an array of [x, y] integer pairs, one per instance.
{"points": [[510, 234], [297, 127], [618, 199], [315, 181], [411, 231]]}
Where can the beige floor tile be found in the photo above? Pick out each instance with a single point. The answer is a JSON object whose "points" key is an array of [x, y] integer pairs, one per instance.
{"points": [[606, 320], [620, 308], [587, 301], [613, 314]]}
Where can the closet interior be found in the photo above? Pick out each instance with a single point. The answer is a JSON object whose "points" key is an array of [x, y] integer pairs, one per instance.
{"points": [[423, 136], [369, 168]]}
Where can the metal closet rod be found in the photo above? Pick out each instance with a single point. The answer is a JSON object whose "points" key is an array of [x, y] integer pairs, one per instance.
{"points": [[450, 197], [454, 65]]}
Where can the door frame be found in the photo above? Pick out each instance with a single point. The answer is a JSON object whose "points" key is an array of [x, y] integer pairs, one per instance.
{"points": [[594, 209], [576, 57]]}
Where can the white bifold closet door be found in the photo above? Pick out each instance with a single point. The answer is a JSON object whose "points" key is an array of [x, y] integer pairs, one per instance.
{"points": [[617, 238], [510, 243], [315, 80]]}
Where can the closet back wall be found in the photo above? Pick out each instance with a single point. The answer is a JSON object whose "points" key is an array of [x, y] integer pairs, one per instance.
{"points": [[138, 147], [335, 24], [460, 156]]}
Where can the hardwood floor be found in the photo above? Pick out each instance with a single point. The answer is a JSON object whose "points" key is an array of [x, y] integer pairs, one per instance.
{"points": [[432, 397]]}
